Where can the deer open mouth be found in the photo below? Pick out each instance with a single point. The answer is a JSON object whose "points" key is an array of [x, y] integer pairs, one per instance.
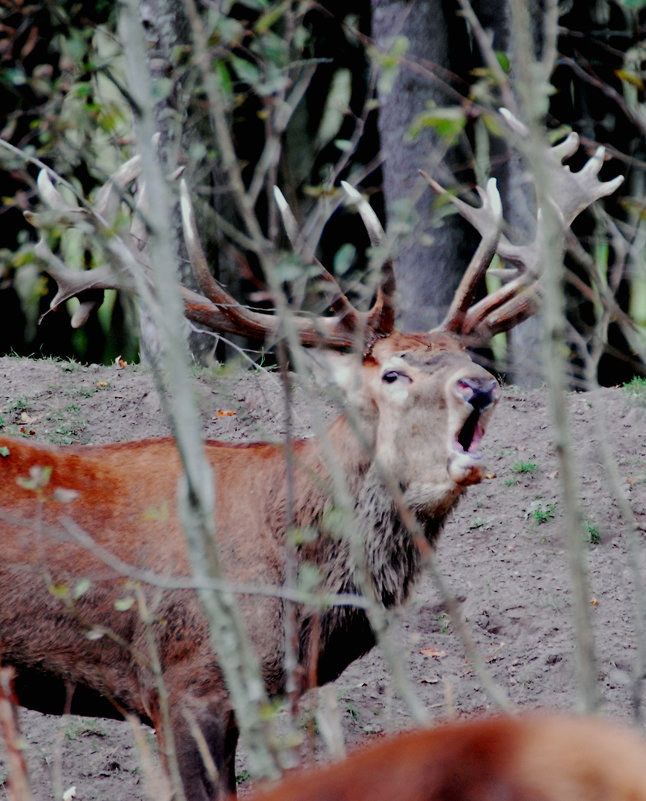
{"points": [[479, 396], [468, 437], [465, 460]]}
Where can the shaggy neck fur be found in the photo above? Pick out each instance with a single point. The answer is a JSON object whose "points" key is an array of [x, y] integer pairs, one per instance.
{"points": [[330, 640]]}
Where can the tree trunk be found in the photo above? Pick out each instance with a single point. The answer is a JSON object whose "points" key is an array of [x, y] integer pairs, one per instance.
{"points": [[430, 261], [167, 28]]}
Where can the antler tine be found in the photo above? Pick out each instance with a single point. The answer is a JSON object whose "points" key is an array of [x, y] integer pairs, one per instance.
{"points": [[289, 220], [54, 200], [242, 320], [502, 309], [381, 317], [572, 192], [491, 208], [110, 195], [339, 300], [568, 147], [480, 217], [375, 230]]}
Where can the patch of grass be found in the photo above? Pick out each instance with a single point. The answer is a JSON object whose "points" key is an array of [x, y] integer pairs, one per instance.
{"points": [[19, 405], [70, 365], [62, 435], [479, 522], [67, 425], [593, 534], [541, 512], [353, 711], [350, 706], [636, 390], [525, 467], [445, 622], [84, 729]]}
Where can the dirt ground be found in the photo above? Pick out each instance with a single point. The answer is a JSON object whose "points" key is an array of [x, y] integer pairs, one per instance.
{"points": [[503, 554]]}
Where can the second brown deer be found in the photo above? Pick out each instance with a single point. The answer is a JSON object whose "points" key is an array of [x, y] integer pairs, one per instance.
{"points": [[535, 757]]}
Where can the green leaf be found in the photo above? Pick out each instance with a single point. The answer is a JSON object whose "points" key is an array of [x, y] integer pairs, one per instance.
{"points": [[344, 258], [389, 62], [344, 145], [448, 122], [309, 577], [245, 70], [269, 18], [4, 451], [300, 535], [123, 604], [38, 478], [503, 60], [81, 587], [336, 107], [225, 77], [289, 271], [161, 89]]}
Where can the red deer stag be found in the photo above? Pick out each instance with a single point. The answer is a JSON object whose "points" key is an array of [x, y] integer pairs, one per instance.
{"points": [[542, 758], [423, 406]]}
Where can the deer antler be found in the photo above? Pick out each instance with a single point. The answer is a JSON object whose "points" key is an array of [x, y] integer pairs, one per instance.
{"points": [[212, 307], [571, 193], [338, 331]]}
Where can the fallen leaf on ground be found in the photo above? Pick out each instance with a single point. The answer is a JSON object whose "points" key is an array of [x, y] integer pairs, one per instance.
{"points": [[434, 652]]}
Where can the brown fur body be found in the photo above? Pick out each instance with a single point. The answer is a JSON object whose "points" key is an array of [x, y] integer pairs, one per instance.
{"points": [[123, 496], [536, 758]]}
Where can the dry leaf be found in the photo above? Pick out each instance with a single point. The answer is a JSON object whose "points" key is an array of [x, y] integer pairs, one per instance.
{"points": [[434, 652]]}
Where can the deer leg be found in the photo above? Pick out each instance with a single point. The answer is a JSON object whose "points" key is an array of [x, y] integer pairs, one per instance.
{"points": [[206, 736]]}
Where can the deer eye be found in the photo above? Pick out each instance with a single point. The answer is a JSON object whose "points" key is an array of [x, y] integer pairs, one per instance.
{"points": [[392, 375]]}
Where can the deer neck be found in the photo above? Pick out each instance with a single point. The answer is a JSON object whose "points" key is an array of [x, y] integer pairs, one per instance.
{"points": [[330, 640], [382, 557]]}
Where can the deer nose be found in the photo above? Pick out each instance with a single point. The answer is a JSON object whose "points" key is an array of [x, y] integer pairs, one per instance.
{"points": [[479, 392]]}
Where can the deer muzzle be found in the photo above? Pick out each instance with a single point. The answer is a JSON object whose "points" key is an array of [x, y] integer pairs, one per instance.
{"points": [[476, 397]]}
